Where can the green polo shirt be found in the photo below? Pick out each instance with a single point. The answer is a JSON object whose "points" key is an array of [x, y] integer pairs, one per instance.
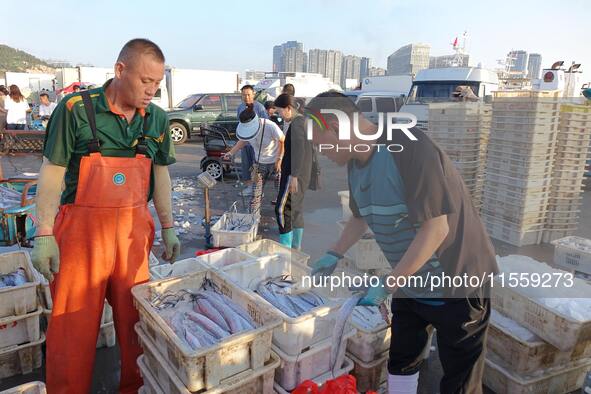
{"points": [[68, 134]]}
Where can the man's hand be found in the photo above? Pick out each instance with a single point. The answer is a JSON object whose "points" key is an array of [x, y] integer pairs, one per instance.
{"points": [[326, 265], [172, 245], [293, 185], [46, 256], [227, 156], [375, 296], [278, 166]]}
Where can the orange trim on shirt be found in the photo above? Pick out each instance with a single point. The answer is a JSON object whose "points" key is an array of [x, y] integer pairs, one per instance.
{"points": [[117, 111]]}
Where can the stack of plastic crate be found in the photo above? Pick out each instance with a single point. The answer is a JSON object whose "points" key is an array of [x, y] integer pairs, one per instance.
{"points": [[462, 131], [568, 175], [519, 165]]}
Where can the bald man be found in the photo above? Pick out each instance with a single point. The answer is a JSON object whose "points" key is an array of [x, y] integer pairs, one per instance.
{"points": [[112, 148]]}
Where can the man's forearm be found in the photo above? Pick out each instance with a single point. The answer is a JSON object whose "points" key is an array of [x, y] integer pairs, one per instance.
{"points": [[239, 145], [49, 188], [353, 231], [162, 195], [428, 239]]}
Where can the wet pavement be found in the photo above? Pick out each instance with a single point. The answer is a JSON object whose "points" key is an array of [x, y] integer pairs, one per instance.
{"points": [[322, 211]]}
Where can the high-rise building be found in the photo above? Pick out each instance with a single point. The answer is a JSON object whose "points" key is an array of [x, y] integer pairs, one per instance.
{"points": [[326, 62], [461, 60], [364, 67], [518, 59], [409, 59], [289, 57], [351, 68], [534, 65], [376, 72]]}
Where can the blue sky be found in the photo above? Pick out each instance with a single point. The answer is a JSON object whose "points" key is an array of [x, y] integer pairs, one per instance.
{"points": [[236, 35]]}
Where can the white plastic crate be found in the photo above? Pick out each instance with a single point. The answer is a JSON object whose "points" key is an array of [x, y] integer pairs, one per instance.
{"points": [[27, 388], [160, 377], [366, 252], [573, 254], [344, 197], [310, 364], [525, 353], [106, 336], [234, 238], [222, 258], [22, 359], [267, 247], [528, 306], [370, 375], [347, 366], [17, 330], [178, 268], [200, 369], [18, 300], [564, 380], [512, 234], [295, 334]]}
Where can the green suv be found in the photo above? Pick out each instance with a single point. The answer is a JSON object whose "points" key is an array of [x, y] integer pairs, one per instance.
{"points": [[200, 109]]}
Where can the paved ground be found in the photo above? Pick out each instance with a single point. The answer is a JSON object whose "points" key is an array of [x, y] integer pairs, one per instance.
{"points": [[322, 213]]}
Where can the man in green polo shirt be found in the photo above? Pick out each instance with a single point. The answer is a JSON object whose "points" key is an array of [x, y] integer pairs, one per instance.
{"points": [[111, 146]]}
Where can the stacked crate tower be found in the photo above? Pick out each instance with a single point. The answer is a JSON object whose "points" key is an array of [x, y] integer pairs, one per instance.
{"points": [[519, 165], [462, 131], [568, 175]]}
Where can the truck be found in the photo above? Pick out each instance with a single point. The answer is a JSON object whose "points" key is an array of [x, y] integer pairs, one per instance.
{"points": [[181, 83], [387, 83], [30, 82], [306, 84], [438, 84]]}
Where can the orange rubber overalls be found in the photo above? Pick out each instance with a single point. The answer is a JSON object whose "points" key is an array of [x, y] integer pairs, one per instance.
{"points": [[104, 239]]}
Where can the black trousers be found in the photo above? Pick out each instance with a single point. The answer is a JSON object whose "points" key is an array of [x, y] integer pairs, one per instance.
{"points": [[288, 209], [462, 326]]}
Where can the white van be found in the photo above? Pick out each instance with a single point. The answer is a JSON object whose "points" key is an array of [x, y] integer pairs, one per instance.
{"points": [[373, 103]]}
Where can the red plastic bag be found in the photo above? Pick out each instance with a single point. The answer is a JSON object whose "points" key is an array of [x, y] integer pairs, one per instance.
{"points": [[345, 384]]}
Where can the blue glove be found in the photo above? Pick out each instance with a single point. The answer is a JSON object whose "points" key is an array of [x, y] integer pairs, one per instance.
{"points": [[326, 265], [375, 296]]}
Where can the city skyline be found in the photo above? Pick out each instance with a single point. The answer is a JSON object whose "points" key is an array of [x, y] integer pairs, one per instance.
{"points": [[227, 39]]}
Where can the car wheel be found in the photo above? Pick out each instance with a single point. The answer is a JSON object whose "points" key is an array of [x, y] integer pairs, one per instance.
{"points": [[214, 168], [178, 133]]}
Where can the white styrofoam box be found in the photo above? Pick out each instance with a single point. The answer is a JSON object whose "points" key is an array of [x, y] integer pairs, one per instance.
{"points": [[366, 252], [17, 330], [18, 300], [222, 258], [234, 238], [200, 368], [161, 378], [347, 366], [559, 315], [27, 388], [344, 196], [573, 254], [178, 268], [310, 364], [21, 359], [565, 379], [267, 247], [106, 336], [295, 333]]}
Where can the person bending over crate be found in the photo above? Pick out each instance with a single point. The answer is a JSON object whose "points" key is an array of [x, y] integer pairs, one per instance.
{"points": [[113, 147], [422, 216]]}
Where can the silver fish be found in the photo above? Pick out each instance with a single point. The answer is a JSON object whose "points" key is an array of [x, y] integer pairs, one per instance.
{"points": [[338, 348]]}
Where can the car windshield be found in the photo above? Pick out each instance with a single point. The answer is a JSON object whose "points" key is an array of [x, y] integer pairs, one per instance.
{"points": [[189, 101], [433, 92]]}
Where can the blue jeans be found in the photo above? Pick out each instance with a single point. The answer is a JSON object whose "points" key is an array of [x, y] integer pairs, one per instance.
{"points": [[247, 160]]}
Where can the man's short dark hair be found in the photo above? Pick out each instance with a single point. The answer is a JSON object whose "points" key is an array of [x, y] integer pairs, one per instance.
{"points": [[269, 104], [242, 89], [139, 46], [332, 100], [289, 89], [43, 94]]}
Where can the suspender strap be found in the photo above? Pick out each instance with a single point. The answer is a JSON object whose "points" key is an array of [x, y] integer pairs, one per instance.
{"points": [[94, 144]]}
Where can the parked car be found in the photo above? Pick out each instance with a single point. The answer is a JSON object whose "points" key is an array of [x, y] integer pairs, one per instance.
{"points": [[197, 110], [373, 103]]}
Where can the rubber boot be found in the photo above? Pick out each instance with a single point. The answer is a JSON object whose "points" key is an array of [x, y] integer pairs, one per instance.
{"points": [[298, 234], [286, 239]]}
